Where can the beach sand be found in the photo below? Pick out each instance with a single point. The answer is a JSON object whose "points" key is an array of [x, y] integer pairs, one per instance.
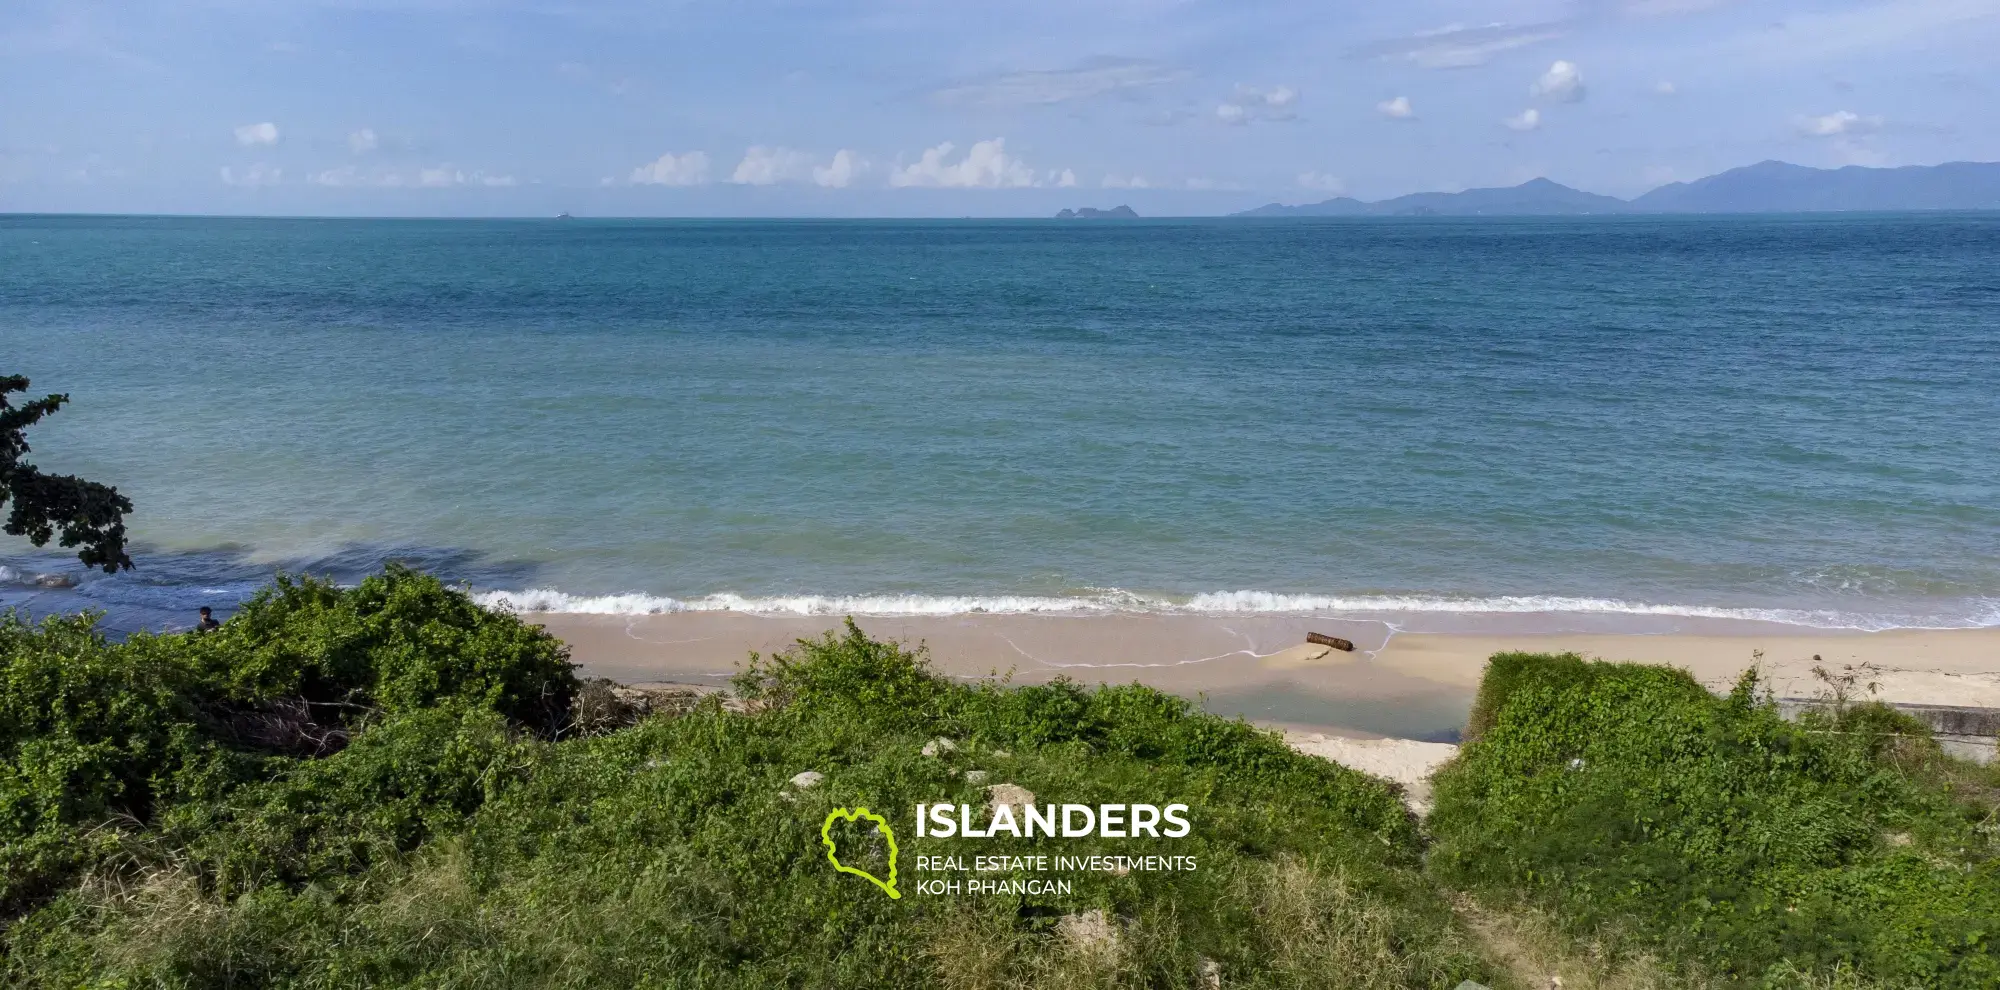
{"points": [[1395, 684]]}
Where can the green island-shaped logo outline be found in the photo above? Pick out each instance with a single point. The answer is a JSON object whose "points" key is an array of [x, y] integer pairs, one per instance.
{"points": [[881, 825]]}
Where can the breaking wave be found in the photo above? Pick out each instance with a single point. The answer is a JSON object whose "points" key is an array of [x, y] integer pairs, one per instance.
{"points": [[1969, 613]]}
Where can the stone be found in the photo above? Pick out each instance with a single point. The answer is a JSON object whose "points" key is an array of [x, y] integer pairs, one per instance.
{"points": [[1010, 794], [1091, 932], [54, 581], [975, 776], [806, 780], [939, 747]]}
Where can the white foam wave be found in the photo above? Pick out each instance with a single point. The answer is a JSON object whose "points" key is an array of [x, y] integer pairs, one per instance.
{"points": [[1978, 613], [551, 600]]}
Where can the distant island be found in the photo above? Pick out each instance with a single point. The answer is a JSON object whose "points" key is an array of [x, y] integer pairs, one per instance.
{"points": [[1093, 213], [1766, 187]]}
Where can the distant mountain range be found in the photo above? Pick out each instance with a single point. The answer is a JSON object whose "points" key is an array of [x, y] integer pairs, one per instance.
{"points": [[1766, 187]]}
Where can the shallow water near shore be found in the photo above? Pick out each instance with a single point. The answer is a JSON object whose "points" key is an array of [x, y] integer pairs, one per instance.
{"points": [[1640, 422]]}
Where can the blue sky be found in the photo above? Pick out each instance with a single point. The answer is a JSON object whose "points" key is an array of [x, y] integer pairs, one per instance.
{"points": [[903, 108]]}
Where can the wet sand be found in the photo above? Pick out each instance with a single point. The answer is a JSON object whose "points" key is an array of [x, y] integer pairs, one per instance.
{"points": [[1400, 684]]}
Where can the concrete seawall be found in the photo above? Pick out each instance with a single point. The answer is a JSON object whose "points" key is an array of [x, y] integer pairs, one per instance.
{"points": [[1965, 732]]}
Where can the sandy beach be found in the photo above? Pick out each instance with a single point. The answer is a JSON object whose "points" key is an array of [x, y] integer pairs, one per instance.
{"points": [[1399, 684]]}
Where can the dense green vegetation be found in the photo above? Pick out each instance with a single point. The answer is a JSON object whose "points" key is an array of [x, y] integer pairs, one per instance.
{"points": [[1628, 798], [385, 785]]}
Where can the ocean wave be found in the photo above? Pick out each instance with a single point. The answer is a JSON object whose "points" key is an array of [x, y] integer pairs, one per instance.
{"points": [[1973, 613]]}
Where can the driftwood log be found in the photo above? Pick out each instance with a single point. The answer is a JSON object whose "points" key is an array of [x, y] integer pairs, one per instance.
{"points": [[1322, 639]]}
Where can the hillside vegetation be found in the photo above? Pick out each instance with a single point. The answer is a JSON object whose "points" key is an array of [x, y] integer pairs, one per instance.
{"points": [[1633, 805], [387, 785]]}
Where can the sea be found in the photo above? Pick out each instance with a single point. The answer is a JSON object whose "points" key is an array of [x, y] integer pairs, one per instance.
{"points": [[1579, 421]]}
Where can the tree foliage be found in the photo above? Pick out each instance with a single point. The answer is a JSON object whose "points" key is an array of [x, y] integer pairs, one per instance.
{"points": [[41, 506]]}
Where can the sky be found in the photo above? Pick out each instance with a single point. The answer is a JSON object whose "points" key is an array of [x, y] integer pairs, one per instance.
{"points": [[941, 108]]}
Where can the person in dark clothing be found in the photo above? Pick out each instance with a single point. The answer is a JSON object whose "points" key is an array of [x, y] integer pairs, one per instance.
{"points": [[207, 622]]}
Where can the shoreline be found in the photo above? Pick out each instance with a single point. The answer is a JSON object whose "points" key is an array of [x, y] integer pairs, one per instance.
{"points": [[1416, 685]]}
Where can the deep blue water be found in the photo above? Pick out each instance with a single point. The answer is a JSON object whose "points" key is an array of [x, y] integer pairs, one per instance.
{"points": [[1787, 417]]}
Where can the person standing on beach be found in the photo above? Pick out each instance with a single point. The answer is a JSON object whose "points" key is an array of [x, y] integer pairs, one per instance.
{"points": [[207, 623]]}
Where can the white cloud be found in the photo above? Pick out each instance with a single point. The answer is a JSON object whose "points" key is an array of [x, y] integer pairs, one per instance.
{"points": [[362, 141], [1526, 120], [1665, 87], [1322, 182], [1096, 77], [1064, 179], [1458, 46], [259, 174], [1250, 103], [841, 172], [1116, 181], [689, 169], [440, 177], [251, 135], [345, 175], [1563, 81], [1396, 109], [986, 165], [1837, 123], [763, 166]]}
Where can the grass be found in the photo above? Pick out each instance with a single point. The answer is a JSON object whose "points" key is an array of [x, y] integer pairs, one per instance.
{"points": [[1626, 799], [383, 786], [446, 844]]}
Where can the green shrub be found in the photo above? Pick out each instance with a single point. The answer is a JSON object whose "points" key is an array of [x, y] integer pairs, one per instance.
{"points": [[92, 736], [1629, 797], [398, 641], [98, 738], [438, 850]]}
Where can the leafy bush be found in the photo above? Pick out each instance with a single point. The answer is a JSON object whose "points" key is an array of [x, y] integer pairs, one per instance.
{"points": [[90, 735], [398, 641], [1630, 798], [440, 850], [97, 738]]}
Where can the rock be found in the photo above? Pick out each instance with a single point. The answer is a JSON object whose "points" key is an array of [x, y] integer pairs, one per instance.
{"points": [[54, 581], [939, 747], [806, 780], [1211, 974], [1010, 794], [1091, 932], [1469, 985], [1002, 754], [975, 776]]}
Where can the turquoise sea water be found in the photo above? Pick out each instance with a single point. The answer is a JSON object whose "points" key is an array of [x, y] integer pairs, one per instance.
{"points": [[1789, 418]]}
